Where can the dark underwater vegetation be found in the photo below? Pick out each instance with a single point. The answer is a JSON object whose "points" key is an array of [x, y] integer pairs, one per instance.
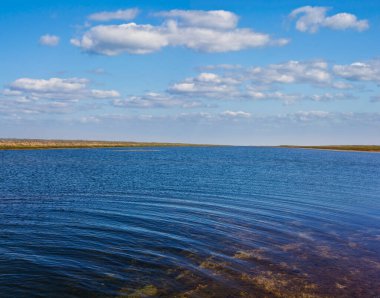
{"points": [[189, 222]]}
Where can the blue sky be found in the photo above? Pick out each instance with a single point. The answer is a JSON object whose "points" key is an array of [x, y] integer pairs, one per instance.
{"points": [[227, 72]]}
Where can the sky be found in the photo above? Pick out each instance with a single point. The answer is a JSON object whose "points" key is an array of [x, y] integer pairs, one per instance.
{"points": [[241, 72]]}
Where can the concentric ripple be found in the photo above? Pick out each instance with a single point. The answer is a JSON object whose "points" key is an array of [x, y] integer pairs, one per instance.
{"points": [[189, 222]]}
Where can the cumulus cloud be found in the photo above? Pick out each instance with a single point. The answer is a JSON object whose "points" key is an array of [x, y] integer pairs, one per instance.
{"points": [[212, 83], [49, 40], [312, 18], [116, 39], [28, 89], [320, 81], [119, 15], [206, 85], [264, 82], [293, 72], [359, 71], [214, 41], [28, 97], [204, 31]]}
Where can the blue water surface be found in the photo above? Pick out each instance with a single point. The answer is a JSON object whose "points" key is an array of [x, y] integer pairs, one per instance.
{"points": [[189, 222]]}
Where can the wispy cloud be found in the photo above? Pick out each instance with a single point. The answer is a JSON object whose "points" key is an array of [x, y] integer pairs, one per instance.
{"points": [[156, 100], [49, 40], [215, 19], [236, 114], [302, 117], [118, 15]]}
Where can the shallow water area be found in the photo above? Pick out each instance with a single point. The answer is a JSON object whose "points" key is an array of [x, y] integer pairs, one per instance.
{"points": [[189, 222]]}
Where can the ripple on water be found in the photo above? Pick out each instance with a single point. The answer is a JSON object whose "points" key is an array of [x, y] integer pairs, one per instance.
{"points": [[189, 222]]}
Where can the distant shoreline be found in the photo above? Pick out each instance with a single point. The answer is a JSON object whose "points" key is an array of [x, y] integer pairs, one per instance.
{"points": [[348, 148], [38, 144], [41, 144]]}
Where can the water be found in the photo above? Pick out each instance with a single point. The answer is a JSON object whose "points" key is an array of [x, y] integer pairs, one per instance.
{"points": [[189, 222]]}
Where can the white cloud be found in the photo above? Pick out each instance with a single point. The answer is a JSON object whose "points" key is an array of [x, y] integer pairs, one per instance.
{"points": [[311, 117], [342, 85], [104, 93], [27, 96], [215, 19], [359, 71], [217, 41], [311, 18], [220, 67], [18, 109], [204, 31], [116, 39], [121, 15], [49, 85], [266, 82], [206, 85], [343, 21], [330, 97], [236, 114], [307, 116], [286, 98], [155, 100], [49, 40], [27, 89], [291, 98], [292, 72], [233, 81], [89, 119]]}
